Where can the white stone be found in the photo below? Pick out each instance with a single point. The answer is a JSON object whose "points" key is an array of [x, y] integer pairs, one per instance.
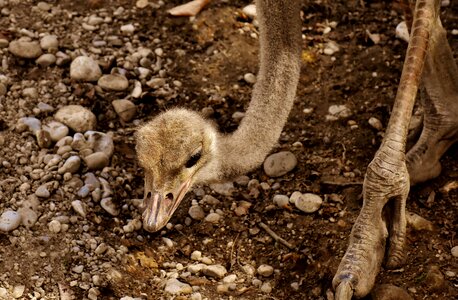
{"points": [[96, 161], [128, 29], [196, 212], [9, 220], [339, 111], [100, 142], [307, 202], [375, 123], [265, 270], [455, 251], [225, 189], [113, 82], [46, 60], [42, 191], [77, 117], [108, 205], [78, 207], [54, 226], [49, 42], [281, 201], [71, 165], [212, 218], [85, 68], [250, 78], [250, 10], [217, 271], [56, 130], [278, 164], [125, 109], [402, 32], [25, 49]]}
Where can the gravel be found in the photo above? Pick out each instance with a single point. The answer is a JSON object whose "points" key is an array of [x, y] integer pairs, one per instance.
{"points": [[280, 163]]}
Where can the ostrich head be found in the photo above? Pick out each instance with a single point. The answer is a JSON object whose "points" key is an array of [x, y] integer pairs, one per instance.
{"points": [[177, 149]]}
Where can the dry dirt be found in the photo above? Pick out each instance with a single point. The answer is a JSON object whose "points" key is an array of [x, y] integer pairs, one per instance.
{"points": [[333, 158]]}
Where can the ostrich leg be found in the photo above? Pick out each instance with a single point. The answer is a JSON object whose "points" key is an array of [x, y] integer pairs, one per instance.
{"points": [[386, 184]]}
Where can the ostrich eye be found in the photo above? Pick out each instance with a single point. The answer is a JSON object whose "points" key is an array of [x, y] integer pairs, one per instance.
{"points": [[193, 160]]}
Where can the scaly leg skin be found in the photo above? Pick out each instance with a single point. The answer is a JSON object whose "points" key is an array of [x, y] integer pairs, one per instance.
{"points": [[387, 184], [440, 124]]}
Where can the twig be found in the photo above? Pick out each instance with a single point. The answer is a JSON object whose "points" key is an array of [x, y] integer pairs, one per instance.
{"points": [[275, 236]]}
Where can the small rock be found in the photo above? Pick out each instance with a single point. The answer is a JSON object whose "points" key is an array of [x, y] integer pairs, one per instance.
{"points": [[307, 202], [250, 10], [265, 270], [174, 286], [418, 223], [78, 207], [249, 270], [339, 111], [402, 32], [108, 205], [49, 42], [85, 69], [155, 83], [96, 161], [250, 78], [30, 123], [24, 49], [28, 216], [230, 278], [434, 280], [43, 139], [217, 271], [375, 123], [78, 269], [71, 165], [77, 117], [196, 269], [43, 6], [196, 255], [99, 142], [42, 191], [54, 226], [196, 212], [266, 287], [128, 29], [3, 44], [125, 109], [225, 189], [278, 164], [114, 82], [281, 201], [18, 291], [389, 292], [46, 60], [56, 130], [9, 220], [212, 218], [455, 251], [330, 48]]}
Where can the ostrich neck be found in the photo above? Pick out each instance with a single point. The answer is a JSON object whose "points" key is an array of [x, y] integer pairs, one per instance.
{"points": [[273, 94]]}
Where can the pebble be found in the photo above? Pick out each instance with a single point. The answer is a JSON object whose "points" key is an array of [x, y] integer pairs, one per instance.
{"points": [[196, 296], [96, 161], [307, 202], [250, 10], [250, 78], [3, 89], [402, 32], [196, 269], [225, 189], [418, 223], [230, 278], [44, 6], [196, 255], [455, 251], [71, 165], [28, 216], [196, 212], [9, 220], [100, 142], [54, 226], [46, 60], [77, 117], [375, 123], [43, 139], [281, 201], [265, 270], [78, 207], [217, 271], [330, 48], [278, 164], [108, 205], [266, 287], [434, 279], [113, 82], [389, 292], [125, 109], [128, 29], [42, 191], [30, 123], [174, 286], [56, 130], [4, 43], [338, 112], [18, 291], [25, 49], [212, 218], [85, 68], [49, 42]]}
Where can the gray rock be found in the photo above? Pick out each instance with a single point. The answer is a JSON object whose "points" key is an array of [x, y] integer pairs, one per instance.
{"points": [[278, 164], [108, 205], [96, 161], [196, 212], [389, 292], [84, 191], [174, 286], [307, 202], [55, 226], [125, 109], [217, 271], [196, 269], [418, 222], [29, 123], [265, 270], [281, 201], [212, 218], [78, 207], [100, 142], [30, 92], [42, 191], [49, 42], [266, 287], [9, 220], [455, 251], [113, 82], [28, 216], [56, 130], [225, 189], [45, 107], [85, 68], [71, 165], [25, 49], [46, 60], [77, 117], [338, 112]]}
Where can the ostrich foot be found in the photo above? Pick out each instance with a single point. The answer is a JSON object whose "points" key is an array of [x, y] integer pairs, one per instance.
{"points": [[189, 9], [440, 121]]}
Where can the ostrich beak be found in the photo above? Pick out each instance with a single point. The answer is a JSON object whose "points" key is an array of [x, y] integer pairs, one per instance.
{"points": [[159, 206]]}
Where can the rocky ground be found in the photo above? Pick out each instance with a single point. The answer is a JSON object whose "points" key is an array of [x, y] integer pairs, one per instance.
{"points": [[78, 77]]}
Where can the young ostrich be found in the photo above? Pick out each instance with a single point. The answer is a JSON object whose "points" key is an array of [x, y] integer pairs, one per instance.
{"points": [[179, 148]]}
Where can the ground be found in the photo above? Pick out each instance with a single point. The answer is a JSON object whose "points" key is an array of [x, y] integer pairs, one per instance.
{"points": [[203, 62]]}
